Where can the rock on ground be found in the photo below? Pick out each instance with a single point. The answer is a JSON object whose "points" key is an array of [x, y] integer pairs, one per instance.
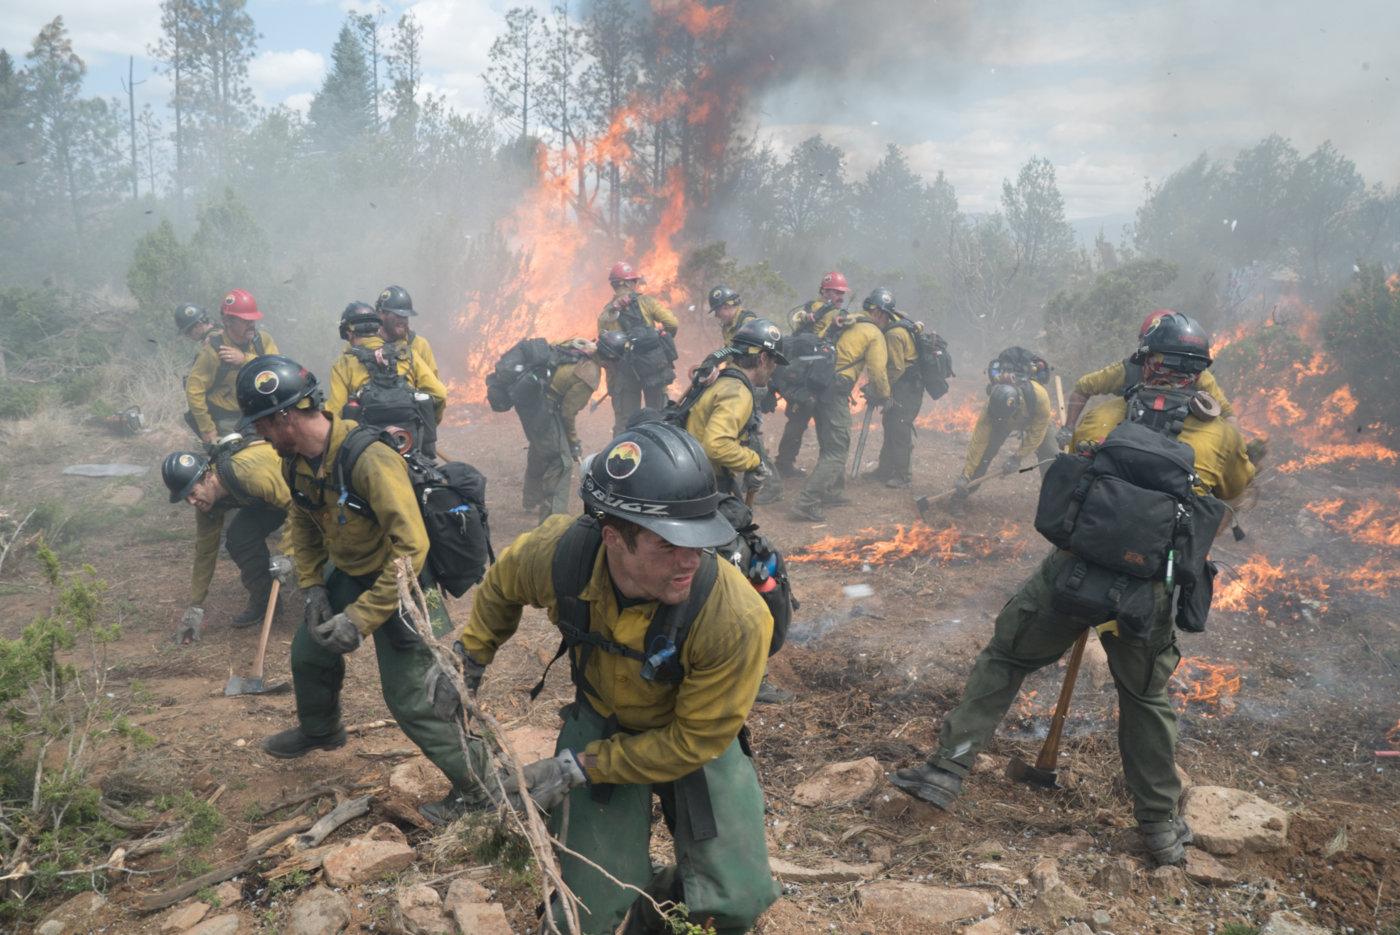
{"points": [[418, 781], [73, 916], [462, 892], [226, 924], [228, 893], [362, 860], [1053, 899], [1078, 928], [481, 919], [417, 910], [184, 916], [1118, 876], [319, 911], [1205, 869], [1289, 923], [840, 783], [1100, 920], [992, 925], [1230, 821], [828, 871], [919, 905]]}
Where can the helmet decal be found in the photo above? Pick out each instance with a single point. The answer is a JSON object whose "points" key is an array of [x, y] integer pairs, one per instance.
{"points": [[186, 461], [384, 295], [773, 334], [623, 460], [266, 382], [230, 299]]}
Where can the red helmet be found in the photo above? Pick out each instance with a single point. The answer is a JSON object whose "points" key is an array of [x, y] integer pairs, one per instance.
{"points": [[1152, 316], [240, 304], [834, 280], [623, 272]]}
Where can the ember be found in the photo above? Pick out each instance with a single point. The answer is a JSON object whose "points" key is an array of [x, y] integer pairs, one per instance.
{"points": [[876, 547]]}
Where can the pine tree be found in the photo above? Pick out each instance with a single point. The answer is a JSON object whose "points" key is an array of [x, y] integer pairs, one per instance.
{"points": [[343, 110], [514, 70]]}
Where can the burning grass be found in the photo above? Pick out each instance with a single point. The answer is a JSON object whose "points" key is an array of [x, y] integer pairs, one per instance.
{"points": [[883, 547]]}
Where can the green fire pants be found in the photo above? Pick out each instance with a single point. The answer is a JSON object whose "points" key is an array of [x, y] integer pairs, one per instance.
{"points": [[833, 417], [547, 462], [1030, 634], [725, 878], [897, 448], [317, 675]]}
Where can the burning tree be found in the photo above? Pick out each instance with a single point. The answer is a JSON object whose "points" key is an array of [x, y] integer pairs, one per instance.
{"points": [[1363, 336]]}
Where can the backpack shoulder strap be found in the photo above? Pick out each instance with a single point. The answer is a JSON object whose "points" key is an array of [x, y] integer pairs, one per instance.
{"points": [[354, 445], [673, 622], [1132, 375], [223, 466], [572, 566]]}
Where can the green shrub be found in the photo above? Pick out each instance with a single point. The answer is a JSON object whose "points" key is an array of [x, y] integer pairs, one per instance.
{"points": [[21, 400], [1363, 336]]}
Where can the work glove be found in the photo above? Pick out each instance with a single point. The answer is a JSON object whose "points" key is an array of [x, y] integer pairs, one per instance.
{"points": [[190, 625], [548, 781], [960, 486], [755, 479], [442, 694], [576, 451], [768, 401], [1257, 449], [1063, 437], [281, 569], [337, 634], [317, 608], [1011, 465]]}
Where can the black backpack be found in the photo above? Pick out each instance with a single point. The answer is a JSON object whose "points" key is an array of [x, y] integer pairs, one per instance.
{"points": [[1022, 362], [452, 500], [651, 351], [763, 565], [572, 567], [521, 377], [935, 364], [811, 368], [1128, 513], [388, 398]]}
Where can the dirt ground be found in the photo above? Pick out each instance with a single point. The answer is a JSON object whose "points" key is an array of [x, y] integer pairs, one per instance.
{"points": [[1318, 673]]}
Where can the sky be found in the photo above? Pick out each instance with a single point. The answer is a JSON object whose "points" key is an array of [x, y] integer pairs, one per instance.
{"points": [[1116, 94]]}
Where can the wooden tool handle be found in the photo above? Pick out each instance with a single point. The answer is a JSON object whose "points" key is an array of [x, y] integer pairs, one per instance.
{"points": [[266, 627], [1050, 751]]}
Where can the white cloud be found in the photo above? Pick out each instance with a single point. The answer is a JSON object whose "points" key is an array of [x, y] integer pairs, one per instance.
{"points": [[276, 71], [300, 103], [99, 28], [457, 38]]}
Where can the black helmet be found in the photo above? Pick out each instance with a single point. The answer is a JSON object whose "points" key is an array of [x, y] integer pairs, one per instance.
{"points": [[395, 299], [181, 470], [187, 316], [760, 334], [612, 345], [1003, 402], [656, 475], [1180, 339], [358, 319], [721, 296], [880, 300], [270, 384]]}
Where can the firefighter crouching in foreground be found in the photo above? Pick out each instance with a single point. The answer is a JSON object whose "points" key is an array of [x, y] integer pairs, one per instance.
{"points": [[1085, 582], [1117, 379], [666, 648], [349, 527], [244, 480]]}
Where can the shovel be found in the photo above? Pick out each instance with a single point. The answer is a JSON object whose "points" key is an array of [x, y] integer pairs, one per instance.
{"points": [[253, 684], [1045, 772]]}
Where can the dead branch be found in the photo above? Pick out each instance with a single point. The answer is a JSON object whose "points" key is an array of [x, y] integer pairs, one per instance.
{"points": [[14, 537], [278, 832], [369, 725], [315, 792], [155, 901], [119, 819], [305, 861], [342, 813], [396, 754]]}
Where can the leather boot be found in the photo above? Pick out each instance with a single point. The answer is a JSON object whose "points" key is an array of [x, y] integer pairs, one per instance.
{"points": [[930, 784], [292, 743], [1166, 840]]}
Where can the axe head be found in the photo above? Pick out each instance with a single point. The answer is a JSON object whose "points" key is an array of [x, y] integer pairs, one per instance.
{"points": [[250, 685], [1021, 771]]}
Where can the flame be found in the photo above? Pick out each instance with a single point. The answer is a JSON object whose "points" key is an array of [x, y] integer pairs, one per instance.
{"points": [[877, 547], [1369, 522], [1207, 688], [1392, 736], [953, 416], [1255, 577], [1392, 283]]}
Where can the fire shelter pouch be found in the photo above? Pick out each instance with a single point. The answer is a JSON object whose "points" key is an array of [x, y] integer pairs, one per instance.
{"points": [[1124, 527], [1099, 594]]}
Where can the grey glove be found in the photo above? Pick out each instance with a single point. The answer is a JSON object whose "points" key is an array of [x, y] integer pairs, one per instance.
{"points": [[1064, 436], [755, 479], [1011, 465], [190, 625], [281, 569], [337, 634], [960, 485], [576, 451], [548, 781], [442, 694], [318, 607]]}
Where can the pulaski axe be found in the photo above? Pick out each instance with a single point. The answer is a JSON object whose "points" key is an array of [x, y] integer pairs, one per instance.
{"points": [[1045, 772], [253, 684]]}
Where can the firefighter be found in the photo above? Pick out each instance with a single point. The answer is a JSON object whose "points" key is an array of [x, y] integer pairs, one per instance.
{"points": [[646, 371], [730, 312], [345, 549], [209, 388], [724, 415], [860, 347], [551, 426], [243, 481], [395, 308], [816, 317], [1031, 632], [1114, 379], [675, 648], [193, 323], [906, 390], [362, 327], [1016, 402]]}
